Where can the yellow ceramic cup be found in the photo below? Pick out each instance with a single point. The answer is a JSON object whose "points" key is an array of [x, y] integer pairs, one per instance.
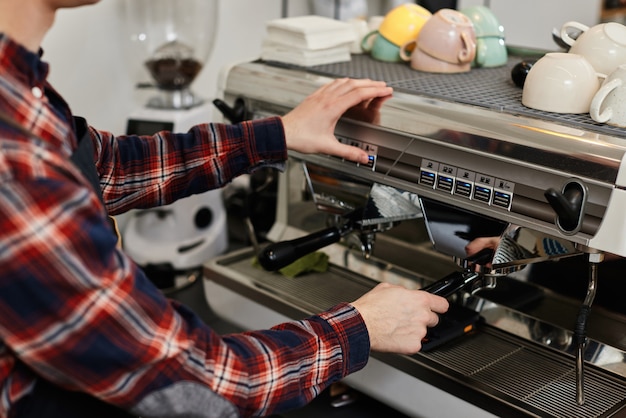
{"points": [[403, 23]]}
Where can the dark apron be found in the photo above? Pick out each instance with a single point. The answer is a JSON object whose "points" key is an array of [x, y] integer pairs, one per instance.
{"points": [[82, 158], [48, 400]]}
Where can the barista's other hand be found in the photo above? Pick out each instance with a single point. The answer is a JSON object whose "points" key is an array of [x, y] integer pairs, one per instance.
{"points": [[310, 126], [481, 243], [397, 318]]}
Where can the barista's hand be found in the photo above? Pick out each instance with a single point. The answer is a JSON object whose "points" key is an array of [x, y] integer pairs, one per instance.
{"points": [[397, 318], [310, 127], [481, 243]]}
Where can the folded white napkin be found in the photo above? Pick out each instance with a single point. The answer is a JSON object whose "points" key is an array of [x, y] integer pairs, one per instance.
{"points": [[272, 51], [310, 32]]}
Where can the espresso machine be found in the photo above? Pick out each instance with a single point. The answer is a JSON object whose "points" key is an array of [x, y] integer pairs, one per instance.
{"points": [[461, 162]]}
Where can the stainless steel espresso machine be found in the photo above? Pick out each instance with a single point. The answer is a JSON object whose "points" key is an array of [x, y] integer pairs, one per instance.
{"points": [[458, 161]]}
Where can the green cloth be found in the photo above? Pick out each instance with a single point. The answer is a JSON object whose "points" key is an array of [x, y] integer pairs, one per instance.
{"points": [[316, 262]]}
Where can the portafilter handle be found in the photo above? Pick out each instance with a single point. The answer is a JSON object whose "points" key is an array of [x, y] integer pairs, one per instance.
{"points": [[280, 254], [471, 277], [452, 283]]}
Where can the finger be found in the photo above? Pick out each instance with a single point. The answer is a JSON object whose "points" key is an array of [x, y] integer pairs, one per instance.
{"points": [[346, 84], [439, 304], [337, 87], [349, 152], [373, 104], [377, 102], [434, 320], [357, 96], [333, 86], [366, 88], [349, 87]]}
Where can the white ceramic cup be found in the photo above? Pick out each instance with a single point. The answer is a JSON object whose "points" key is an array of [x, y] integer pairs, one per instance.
{"points": [[604, 45], [561, 82], [609, 103], [373, 23], [359, 26]]}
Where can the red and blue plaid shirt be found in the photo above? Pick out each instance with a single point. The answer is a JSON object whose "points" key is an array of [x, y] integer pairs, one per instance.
{"points": [[75, 310]]}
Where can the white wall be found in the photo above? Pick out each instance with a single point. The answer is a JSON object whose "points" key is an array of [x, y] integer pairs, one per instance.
{"points": [[529, 23], [85, 49], [89, 67]]}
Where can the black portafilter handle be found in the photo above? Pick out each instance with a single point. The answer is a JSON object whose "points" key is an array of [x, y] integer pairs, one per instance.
{"points": [[280, 254], [452, 283], [459, 280]]}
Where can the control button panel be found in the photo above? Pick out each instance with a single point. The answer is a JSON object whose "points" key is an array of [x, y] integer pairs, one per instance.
{"points": [[503, 193], [372, 151], [466, 184], [483, 188], [428, 173], [446, 178]]}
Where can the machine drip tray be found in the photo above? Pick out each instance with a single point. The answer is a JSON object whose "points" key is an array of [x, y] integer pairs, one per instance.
{"points": [[495, 370], [534, 378]]}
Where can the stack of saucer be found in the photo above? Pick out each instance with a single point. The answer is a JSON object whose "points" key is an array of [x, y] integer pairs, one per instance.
{"points": [[307, 41]]}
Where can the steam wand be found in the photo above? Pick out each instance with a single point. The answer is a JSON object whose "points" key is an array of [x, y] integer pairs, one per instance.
{"points": [[569, 206], [580, 330]]}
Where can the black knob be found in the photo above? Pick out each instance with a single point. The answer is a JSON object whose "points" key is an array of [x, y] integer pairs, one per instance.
{"points": [[568, 205], [236, 114], [520, 71]]}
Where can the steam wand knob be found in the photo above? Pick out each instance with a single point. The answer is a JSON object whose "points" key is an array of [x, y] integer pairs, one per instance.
{"points": [[235, 114], [568, 205]]}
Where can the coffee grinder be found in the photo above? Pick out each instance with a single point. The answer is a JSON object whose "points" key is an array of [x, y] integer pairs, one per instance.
{"points": [[171, 40]]}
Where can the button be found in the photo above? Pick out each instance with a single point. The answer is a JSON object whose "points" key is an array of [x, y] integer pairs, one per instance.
{"points": [[37, 92]]}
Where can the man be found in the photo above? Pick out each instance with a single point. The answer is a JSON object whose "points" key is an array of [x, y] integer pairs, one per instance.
{"points": [[82, 331]]}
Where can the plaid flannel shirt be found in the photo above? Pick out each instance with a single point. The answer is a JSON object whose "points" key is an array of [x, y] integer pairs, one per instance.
{"points": [[75, 310]]}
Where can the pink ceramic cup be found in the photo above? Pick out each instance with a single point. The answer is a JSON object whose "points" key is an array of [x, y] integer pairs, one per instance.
{"points": [[446, 43]]}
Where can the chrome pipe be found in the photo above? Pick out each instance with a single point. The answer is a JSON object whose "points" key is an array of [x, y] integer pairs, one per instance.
{"points": [[580, 332]]}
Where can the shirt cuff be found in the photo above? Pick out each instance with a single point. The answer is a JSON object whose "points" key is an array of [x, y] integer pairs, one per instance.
{"points": [[270, 147], [352, 335]]}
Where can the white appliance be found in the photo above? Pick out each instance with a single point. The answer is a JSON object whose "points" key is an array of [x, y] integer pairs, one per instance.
{"points": [[173, 40]]}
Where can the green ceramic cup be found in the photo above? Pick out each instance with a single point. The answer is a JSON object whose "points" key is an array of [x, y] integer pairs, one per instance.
{"points": [[380, 48]]}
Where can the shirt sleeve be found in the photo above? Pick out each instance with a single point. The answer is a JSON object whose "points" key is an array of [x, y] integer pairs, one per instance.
{"points": [[139, 172], [78, 312], [81, 314]]}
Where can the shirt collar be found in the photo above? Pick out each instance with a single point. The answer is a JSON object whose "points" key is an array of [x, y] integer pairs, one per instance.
{"points": [[26, 64]]}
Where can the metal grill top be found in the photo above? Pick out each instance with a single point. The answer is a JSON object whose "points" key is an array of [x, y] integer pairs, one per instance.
{"points": [[490, 88]]}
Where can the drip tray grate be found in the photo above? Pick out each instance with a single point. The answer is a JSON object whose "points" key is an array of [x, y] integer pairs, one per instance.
{"points": [[538, 379]]}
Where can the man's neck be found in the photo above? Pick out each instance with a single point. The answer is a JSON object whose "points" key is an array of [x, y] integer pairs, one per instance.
{"points": [[25, 22]]}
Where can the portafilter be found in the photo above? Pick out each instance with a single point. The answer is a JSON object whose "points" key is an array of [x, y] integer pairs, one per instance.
{"points": [[360, 207], [484, 247]]}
